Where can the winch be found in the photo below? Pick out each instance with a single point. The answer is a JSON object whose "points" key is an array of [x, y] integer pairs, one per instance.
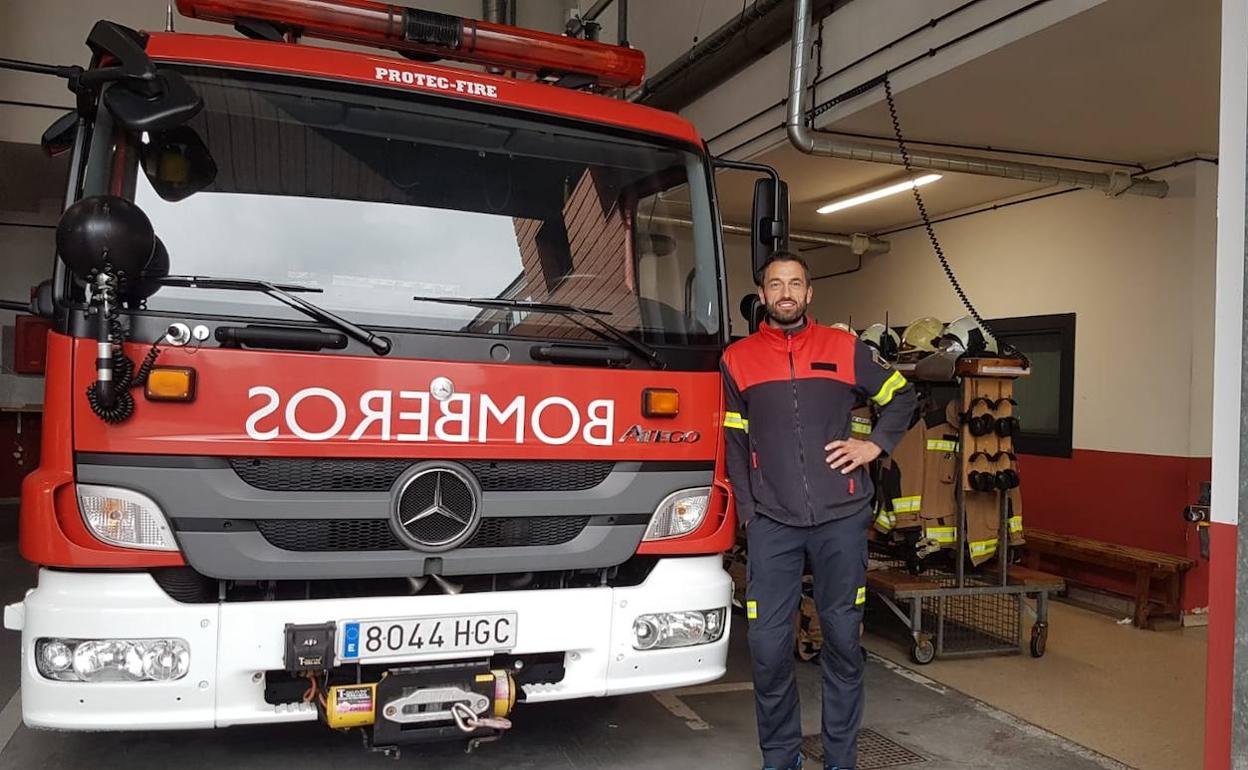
{"points": [[420, 704]]}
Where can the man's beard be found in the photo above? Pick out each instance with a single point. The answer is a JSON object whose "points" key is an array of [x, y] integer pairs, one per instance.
{"points": [[775, 314]]}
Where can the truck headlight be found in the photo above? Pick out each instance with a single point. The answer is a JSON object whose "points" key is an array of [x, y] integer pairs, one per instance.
{"points": [[664, 630], [113, 660], [679, 514], [124, 517]]}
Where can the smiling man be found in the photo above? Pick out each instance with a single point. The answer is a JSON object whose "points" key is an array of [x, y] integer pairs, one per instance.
{"points": [[803, 494]]}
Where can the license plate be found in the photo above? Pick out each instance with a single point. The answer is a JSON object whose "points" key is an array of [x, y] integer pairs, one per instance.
{"points": [[411, 637]]}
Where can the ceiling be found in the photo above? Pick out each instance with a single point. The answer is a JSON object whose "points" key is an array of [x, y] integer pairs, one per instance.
{"points": [[1128, 81]]}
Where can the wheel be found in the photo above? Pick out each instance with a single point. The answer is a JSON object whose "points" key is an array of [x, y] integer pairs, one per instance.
{"points": [[1039, 638], [923, 652]]}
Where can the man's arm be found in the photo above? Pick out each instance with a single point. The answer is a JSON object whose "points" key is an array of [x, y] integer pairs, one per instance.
{"points": [[737, 446], [890, 391]]}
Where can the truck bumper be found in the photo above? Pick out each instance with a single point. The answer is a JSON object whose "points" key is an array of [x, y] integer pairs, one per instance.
{"points": [[231, 644]]}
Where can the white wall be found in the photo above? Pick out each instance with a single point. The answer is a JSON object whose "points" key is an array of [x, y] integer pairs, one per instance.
{"points": [[1138, 272]]}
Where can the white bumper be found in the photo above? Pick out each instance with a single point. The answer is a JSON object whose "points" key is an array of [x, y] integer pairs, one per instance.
{"points": [[232, 643]]}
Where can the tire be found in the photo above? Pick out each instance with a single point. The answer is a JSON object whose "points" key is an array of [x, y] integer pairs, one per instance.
{"points": [[923, 652], [1039, 640]]}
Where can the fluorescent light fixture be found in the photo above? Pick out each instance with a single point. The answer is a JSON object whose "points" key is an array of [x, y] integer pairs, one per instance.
{"points": [[875, 195]]}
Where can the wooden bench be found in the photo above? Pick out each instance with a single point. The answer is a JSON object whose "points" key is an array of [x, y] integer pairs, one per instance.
{"points": [[1146, 565], [1030, 578]]}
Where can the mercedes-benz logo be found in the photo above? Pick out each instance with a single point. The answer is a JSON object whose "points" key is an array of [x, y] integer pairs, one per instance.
{"points": [[441, 388], [437, 507]]}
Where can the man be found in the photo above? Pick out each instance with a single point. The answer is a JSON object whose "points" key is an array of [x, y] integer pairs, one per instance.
{"points": [[803, 493]]}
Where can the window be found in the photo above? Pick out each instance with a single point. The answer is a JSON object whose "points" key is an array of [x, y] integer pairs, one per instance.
{"points": [[1046, 397]]}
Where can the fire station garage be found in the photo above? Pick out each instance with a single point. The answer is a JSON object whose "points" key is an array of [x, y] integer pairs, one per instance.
{"points": [[296, 472]]}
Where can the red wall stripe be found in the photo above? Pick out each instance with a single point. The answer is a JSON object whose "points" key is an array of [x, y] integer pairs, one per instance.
{"points": [[1118, 497]]}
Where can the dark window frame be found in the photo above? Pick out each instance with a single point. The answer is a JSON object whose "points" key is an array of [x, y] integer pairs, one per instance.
{"points": [[1063, 325]]}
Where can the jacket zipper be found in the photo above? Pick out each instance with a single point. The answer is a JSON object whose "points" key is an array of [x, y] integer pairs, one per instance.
{"points": [[797, 420]]}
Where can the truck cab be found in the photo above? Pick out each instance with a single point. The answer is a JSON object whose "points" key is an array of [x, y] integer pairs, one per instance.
{"points": [[380, 391]]}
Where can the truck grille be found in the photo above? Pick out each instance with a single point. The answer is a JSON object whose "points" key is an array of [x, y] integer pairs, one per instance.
{"points": [[375, 534], [320, 474]]}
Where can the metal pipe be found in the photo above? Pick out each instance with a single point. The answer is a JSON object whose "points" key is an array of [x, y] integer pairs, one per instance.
{"points": [[622, 22], [494, 10], [812, 142], [858, 243], [595, 10]]}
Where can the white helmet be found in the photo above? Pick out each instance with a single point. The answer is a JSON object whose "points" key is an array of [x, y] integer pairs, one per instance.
{"points": [[883, 339], [965, 335]]}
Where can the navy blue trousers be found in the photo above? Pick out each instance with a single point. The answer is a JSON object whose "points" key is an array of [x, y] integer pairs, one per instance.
{"points": [[837, 554]]}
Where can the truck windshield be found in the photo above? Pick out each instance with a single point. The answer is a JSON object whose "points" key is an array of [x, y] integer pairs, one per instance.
{"points": [[376, 197]]}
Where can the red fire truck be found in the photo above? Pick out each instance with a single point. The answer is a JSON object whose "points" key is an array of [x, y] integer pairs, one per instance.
{"points": [[379, 391]]}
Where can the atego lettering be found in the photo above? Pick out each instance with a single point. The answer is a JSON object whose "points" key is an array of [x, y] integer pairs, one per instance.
{"points": [[320, 414], [640, 435]]}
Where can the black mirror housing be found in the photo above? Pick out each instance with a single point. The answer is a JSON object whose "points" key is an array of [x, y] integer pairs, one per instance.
{"points": [[770, 221], [59, 137], [174, 105]]}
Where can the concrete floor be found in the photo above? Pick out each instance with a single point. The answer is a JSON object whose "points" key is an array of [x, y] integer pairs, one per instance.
{"points": [[949, 729], [1137, 696]]}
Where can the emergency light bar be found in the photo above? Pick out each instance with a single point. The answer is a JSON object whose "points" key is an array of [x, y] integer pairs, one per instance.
{"points": [[412, 31]]}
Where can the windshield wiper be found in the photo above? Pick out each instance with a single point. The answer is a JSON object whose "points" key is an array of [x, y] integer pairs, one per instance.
{"points": [[568, 311], [284, 293]]}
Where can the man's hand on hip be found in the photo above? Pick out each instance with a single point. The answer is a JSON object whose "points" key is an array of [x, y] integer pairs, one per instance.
{"points": [[850, 454]]}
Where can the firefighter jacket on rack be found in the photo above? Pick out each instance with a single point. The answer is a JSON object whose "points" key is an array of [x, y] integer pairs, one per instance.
{"points": [[918, 483]]}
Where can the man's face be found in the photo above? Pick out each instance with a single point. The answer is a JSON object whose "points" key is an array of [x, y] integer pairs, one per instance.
{"points": [[785, 292]]}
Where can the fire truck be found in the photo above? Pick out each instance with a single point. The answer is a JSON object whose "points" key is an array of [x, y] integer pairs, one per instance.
{"points": [[379, 391]]}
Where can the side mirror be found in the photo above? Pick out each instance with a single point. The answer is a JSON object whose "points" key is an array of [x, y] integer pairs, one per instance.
{"points": [[770, 222], [41, 302], [59, 136], [177, 163], [174, 104], [753, 311], [105, 231], [146, 281], [142, 98]]}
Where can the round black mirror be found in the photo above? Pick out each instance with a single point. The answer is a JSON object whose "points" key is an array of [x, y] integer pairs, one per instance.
{"points": [[753, 311], [147, 281], [105, 230]]}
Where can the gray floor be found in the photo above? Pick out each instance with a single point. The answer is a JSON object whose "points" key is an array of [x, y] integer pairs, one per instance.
{"points": [[948, 729]]}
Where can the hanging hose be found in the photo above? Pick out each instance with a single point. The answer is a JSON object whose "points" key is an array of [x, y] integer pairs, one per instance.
{"points": [[931, 232]]}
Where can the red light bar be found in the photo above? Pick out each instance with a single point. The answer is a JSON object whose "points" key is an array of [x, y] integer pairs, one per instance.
{"points": [[408, 30]]}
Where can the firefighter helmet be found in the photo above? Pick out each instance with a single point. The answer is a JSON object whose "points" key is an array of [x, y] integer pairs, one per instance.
{"points": [[883, 339], [921, 335], [965, 335]]}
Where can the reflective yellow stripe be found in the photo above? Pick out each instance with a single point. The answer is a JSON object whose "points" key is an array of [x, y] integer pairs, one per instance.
{"points": [[1016, 523], [941, 445], [734, 420], [981, 547], [889, 389], [751, 610], [942, 534], [907, 504], [861, 598], [860, 426], [885, 520]]}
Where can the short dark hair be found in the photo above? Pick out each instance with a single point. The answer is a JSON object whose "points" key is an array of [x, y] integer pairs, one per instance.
{"points": [[782, 256]]}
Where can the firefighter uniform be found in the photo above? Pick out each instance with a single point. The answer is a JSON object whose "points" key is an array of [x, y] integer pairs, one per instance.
{"points": [[787, 395]]}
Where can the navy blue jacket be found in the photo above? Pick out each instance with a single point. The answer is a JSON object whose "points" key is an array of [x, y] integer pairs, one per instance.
{"points": [[787, 394]]}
